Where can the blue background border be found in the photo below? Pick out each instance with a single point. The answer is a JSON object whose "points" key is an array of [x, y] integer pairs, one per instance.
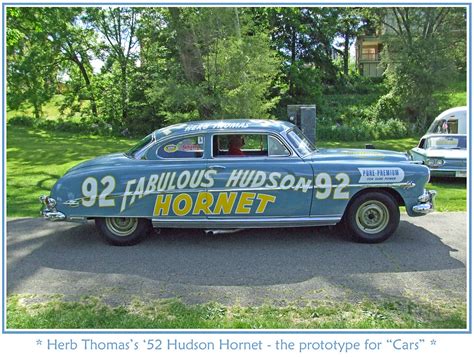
{"points": [[468, 6]]}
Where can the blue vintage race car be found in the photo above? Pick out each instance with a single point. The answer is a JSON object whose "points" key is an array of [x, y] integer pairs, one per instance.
{"points": [[235, 174]]}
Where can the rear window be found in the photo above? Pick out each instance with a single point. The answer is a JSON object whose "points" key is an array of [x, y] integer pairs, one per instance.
{"points": [[300, 142], [189, 147]]}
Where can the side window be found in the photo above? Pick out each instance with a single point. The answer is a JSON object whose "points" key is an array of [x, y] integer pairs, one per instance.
{"points": [[240, 145], [189, 147], [453, 126], [276, 148]]}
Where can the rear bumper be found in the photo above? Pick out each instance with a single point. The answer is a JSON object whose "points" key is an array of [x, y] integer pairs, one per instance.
{"points": [[425, 202]]}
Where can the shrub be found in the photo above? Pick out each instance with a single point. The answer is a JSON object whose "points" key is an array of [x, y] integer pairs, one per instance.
{"points": [[362, 130], [23, 120], [86, 125]]}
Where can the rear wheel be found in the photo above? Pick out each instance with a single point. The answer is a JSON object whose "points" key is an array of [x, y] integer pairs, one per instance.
{"points": [[123, 230], [372, 217]]}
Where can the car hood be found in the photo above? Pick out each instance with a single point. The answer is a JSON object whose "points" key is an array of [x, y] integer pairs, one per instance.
{"points": [[358, 154], [102, 161], [447, 153]]}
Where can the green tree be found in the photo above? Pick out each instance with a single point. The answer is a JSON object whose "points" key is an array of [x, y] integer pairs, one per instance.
{"points": [[304, 38], [32, 65], [349, 24], [76, 45], [118, 26], [420, 44], [212, 65], [50, 44]]}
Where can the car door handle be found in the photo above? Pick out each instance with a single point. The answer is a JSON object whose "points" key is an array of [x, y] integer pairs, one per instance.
{"points": [[217, 167]]}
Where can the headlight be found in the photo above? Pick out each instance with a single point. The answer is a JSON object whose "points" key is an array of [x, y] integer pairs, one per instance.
{"points": [[433, 162]]}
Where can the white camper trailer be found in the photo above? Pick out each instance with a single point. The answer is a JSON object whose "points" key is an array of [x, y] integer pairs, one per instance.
{"points": [[451, 121]]}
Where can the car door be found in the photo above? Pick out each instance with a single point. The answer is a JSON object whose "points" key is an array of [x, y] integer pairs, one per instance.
{"points": [[265, 180], [181, 179]]}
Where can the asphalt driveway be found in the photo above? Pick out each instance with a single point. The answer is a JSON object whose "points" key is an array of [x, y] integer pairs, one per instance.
{"points": [[425, 259]]}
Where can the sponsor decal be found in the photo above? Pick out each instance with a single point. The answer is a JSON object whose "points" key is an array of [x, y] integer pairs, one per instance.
{"points": [[381, 174], [170, 148], [190, 147]]}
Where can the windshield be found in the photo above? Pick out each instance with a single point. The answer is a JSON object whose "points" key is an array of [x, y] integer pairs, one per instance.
{"points": [[137, 150], [446, 142], [300, 142], [444, 126]]}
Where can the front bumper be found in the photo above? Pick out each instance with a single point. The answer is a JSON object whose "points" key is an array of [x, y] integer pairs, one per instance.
{"points": [[49, 210], [426, 202]]}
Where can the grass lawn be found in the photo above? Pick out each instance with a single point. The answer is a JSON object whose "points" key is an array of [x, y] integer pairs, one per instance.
{"points": [[36, 159], [51, 110], [171, 314]]}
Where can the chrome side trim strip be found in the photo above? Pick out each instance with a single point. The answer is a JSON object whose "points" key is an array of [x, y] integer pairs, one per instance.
{"points": [[244, 222]]}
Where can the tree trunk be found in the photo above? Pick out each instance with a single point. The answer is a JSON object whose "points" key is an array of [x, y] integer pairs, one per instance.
{"points": [[37, 110], [293, 60], [190, 56], [88, 85], [123, 90], [345, 56], [189, 53]]}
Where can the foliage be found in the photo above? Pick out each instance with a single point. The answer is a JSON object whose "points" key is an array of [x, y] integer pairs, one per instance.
{"points": [[363, 130], [142, 68], [418, 54], [31, 65], [229, 72]]}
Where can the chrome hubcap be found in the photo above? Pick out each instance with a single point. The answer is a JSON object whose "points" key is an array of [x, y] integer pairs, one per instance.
{"points": [[372, 217], [121, 226]]}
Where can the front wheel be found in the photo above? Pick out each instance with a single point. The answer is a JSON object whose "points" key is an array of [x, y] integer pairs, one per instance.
{"points": [[372, 217], [123, 230]]}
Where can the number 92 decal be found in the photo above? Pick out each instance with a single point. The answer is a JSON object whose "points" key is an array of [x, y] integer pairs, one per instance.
{"points": [[90, 192], [323, 186]]}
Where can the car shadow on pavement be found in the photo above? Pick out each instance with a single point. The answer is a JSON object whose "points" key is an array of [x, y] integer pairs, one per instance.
{"points": [[257, 257]]}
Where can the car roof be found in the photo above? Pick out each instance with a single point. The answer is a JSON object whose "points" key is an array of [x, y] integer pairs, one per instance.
{"points": [[441, 134], [225, 125], [450, 112]]}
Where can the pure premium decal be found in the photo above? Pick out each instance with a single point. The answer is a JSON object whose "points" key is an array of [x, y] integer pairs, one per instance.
{"points": [[381, 174]]}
